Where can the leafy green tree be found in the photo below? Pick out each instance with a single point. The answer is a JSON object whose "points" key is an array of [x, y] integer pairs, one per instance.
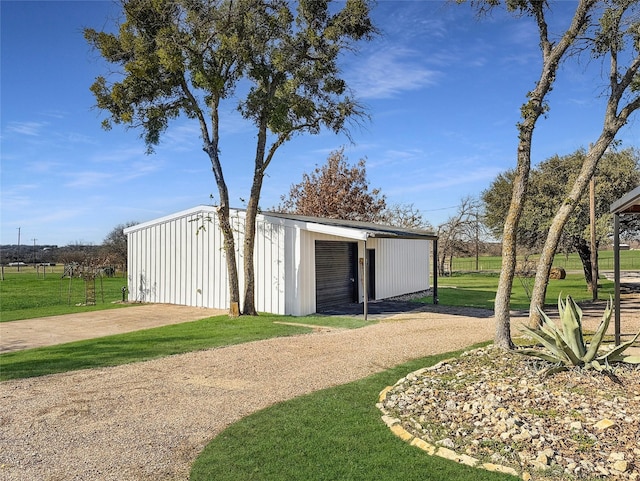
{"points": [[186, 57], [607, 30], [616, 41], [550, 182]]}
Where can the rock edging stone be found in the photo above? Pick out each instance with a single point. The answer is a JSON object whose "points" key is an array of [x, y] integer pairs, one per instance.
{"points": [[395, 425]]}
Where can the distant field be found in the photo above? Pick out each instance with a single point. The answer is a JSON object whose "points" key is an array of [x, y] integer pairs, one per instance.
{"points": [[629, 260], [30, 293], [478, 289]]}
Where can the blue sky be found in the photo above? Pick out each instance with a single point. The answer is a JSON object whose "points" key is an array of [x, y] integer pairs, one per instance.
{"points": [[443, 90]]}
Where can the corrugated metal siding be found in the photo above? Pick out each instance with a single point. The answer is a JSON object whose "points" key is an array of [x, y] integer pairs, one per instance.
{"points": [[335, 273], [402, 266], [269, 262], [291, 244], [181, 261]]}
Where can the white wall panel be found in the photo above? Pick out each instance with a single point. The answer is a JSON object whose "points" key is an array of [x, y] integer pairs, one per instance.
{"points": [[180, 259], [269, 262], [402, 266]]}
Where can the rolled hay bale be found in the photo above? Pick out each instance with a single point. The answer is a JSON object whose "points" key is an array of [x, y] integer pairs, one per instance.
{"points": [[557, 273]]}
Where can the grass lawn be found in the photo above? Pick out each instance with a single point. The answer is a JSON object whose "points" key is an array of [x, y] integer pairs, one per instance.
{"points": [[629, 260], [25, 294], [334, 434], [154, 343], [478, 289]]}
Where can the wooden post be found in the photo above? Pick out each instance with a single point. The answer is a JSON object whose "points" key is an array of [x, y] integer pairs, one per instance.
{"points": [[594, 247]]}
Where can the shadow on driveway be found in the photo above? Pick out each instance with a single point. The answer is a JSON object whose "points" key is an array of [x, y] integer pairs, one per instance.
{"points": [[385, 308]]}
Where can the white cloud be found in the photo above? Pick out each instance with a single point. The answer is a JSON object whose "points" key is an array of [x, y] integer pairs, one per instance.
{"points": [[387, 73], [118, 155], [450, 179], [140, 169], [44, 166], [26, 128], [396, 156], [58, 215], [18, 196], [85, 180], [92, 179]]}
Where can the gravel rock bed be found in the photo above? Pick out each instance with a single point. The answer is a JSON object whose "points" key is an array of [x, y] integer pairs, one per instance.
{"points": [[493, 406]]}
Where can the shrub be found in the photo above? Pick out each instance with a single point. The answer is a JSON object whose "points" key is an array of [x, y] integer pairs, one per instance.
{"points": [[566, 347]]}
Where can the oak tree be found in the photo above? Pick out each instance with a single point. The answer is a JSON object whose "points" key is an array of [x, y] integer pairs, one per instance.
{"points": [[552, 52], [615, 41], [185, 58], [550, 183]]}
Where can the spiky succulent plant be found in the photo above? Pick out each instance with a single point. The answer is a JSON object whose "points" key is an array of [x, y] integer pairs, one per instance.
{"points": [[566, 347]]}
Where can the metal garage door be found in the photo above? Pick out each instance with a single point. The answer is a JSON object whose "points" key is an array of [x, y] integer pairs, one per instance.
{"points": [[336, 280]]}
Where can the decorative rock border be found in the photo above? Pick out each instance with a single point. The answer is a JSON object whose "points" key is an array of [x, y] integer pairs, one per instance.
{"points": [[601, 416], [394, 424]]}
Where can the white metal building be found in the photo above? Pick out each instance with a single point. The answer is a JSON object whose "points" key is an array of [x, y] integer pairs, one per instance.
{"points": [[302, 264]]}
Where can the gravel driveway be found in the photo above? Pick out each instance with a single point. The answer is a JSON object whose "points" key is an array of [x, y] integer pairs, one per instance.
{"points": [[149, 420]]}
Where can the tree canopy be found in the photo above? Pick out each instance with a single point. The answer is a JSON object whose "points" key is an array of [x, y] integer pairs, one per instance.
{"points": [[184, 58], [336, 190], [550, 182], [114, 245]]}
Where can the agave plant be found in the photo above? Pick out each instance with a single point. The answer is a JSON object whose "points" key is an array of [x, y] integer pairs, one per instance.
{"points": [[566, 347]]}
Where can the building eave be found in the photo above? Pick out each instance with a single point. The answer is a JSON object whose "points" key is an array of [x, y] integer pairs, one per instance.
{"points": [[628, 203]]}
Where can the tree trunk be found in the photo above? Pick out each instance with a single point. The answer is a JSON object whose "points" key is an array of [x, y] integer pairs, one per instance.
{"points": [[249, 306], [530, 112], [260, 164], [227, 231], [230, 254], [584, 252], [587, 171], [502, 337]]}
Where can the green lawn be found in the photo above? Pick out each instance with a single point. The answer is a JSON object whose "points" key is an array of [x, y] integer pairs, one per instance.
{"points": [[25, 294], [334, 434], [154, 343], [629, 260], [478, 289]]}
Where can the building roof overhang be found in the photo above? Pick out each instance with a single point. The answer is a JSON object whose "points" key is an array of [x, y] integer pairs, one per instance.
{"points": [[628, 203], [341, 228]]}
